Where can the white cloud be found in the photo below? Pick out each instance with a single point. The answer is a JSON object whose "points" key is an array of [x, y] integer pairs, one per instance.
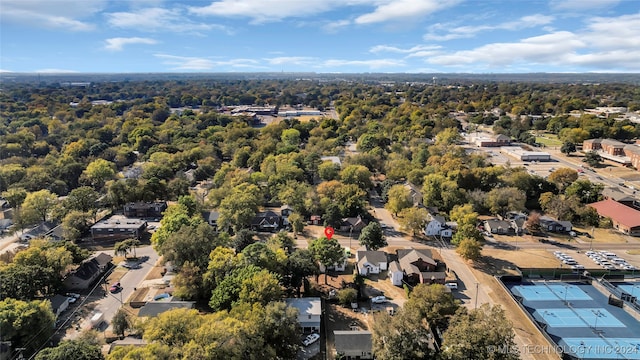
{"points": [[582, 4], [371, 64], [117, 44], [158, 19], [60, 14], [263, 11], [461, 32], [605, 44], [404, 9], [198, 63], [417, 48], [5, 71]]}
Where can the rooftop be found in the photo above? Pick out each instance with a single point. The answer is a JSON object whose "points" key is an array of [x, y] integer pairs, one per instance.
{"points": [[620, 213]]}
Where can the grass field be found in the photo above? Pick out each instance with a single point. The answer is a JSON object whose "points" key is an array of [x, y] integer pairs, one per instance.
{"points": [[549, 140]]}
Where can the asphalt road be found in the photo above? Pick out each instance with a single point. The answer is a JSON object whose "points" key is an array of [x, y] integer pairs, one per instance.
{"points": [[110, 304]]}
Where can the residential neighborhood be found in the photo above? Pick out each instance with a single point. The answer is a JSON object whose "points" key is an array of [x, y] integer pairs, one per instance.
{"points": [[310, 230]]}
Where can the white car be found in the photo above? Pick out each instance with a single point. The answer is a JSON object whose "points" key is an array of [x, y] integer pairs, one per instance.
{"points": [[589, 253], [452, 286], [310, 339], [379, 299], [72, 299]]}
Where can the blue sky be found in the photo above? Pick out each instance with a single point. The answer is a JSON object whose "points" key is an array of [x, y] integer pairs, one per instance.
{"points": [[408, 36]]}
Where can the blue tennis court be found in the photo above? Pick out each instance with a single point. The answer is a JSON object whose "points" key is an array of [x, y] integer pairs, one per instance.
{"points": [[633, 289], [549, 292], [589, 317], [599, 348]]}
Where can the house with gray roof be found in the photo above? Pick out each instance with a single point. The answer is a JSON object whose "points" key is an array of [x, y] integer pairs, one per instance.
{"points": [[352, 344], [211, 217], [371, 262]]}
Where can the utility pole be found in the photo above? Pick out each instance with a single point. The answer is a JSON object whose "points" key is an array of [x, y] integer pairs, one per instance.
{"points": [[477, 294]]}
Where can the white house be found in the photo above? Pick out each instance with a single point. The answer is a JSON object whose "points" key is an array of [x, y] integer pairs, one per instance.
{"points": [[395, 273], [437, 226], [309, 312], [371, 262]]}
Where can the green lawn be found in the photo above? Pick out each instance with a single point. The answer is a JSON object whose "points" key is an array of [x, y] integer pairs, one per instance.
{"points": [[549, 140]]}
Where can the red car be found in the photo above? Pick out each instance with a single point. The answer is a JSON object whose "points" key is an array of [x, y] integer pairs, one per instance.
{"points": [[115, 288]]}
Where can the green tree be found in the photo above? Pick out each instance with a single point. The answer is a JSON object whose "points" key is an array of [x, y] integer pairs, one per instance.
{"points": [[585, 190], [563, 177], [26, 324], [291, 137], [191, 243], [122, 247], [568, 148], [239, 208], [466, 231], [475, 334], [173, 219], [82, 199], [222, 261], [464, 215], [403, 336], [99, 171], [75, 224], [398, 199], [298, 266], [188, 282], [501, 200], [297, 223], [372, 236], [357, 175], [433, 303], [72, 349], [38, 205], [15, 196], [327, 252], [347, 296], [413, 219], [121, 322], [469, 249], [173, 328], [227, 291], [592, 158], [328, 170], [262, 287]]}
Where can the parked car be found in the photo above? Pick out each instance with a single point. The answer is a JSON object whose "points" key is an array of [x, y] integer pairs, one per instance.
{"points": [[310, 339], [452, 286], [72, 299], [379, 299]]}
